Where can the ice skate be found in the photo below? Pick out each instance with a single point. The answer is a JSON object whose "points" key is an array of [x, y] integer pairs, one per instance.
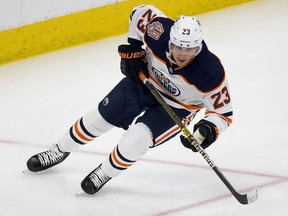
{"points": [[93, 182], [46, 159]]}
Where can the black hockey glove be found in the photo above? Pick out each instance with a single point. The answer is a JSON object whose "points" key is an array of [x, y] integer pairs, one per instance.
{"points": [[205, 133], [133, 61]]}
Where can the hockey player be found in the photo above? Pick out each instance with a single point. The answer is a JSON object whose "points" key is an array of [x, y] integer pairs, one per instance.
{"points": [[177, 62]]}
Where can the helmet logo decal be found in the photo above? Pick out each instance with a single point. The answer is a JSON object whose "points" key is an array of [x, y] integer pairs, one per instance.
{"points": [[166, 83], [155, 30]]}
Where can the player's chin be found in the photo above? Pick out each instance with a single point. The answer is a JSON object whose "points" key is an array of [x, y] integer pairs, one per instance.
{"points": [[181, 63]]}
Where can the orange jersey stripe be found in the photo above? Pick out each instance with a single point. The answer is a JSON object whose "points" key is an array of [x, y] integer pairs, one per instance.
{"points": [[199, 89], [229, 120]]}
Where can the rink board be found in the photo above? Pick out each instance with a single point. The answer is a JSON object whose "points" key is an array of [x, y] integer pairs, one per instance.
{"points": [[90, 25]]}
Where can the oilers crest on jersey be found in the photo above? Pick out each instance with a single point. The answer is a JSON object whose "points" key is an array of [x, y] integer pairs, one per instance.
{"points": [[166, 83]]}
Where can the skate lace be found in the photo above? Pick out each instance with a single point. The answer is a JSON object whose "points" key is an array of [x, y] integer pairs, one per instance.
{"points": [[98, 177], [49, 157]]}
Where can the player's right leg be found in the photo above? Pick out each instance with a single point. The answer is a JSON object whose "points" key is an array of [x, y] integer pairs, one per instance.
{"points": [[83, 131]]}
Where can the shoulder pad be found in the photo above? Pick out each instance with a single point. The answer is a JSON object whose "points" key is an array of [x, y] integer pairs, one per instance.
{"points": [[206, 72]]}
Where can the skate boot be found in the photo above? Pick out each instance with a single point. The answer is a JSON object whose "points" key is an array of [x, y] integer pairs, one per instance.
{"points": [[46, 159], [93, 182]]}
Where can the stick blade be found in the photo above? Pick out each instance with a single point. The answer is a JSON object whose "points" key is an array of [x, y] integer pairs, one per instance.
{"points": [[252, 196], [248, 198]]}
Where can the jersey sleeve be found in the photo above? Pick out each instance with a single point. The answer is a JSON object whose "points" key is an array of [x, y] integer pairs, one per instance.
{"points": [[218, 106], [139, 18]]}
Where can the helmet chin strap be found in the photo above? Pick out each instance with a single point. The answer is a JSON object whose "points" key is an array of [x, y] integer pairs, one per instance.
{"points": [[169, 56], [199, 50]]}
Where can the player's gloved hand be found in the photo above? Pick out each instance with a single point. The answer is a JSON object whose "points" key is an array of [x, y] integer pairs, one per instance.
{"points": [[133, 61], [205, 133]]}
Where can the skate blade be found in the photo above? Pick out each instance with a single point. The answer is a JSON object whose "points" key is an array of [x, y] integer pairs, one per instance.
{"points": [[26, 171], [80, 193]]}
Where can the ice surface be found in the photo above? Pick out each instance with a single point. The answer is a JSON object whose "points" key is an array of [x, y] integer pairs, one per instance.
{"points": [[41, 97]]}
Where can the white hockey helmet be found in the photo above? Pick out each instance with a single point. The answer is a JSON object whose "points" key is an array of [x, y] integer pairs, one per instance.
{"points": [[186, 32]]}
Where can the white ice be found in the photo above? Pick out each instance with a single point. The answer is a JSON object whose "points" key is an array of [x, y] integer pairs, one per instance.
{"points": [[42, 96]]}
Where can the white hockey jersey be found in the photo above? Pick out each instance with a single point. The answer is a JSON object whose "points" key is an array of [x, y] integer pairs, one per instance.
{"points": [[200, 85]]}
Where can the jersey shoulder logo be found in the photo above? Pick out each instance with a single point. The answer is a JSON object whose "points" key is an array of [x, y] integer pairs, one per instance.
{"points": [[155, 30]]}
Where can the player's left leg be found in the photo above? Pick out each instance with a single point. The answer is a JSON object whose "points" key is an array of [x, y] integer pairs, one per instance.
{"points": [[133, 145]]}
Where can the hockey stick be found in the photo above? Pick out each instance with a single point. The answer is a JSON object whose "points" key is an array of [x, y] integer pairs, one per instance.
{"points": [[242, 198]]}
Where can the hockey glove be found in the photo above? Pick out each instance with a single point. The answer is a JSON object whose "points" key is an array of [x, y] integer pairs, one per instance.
{"points": [[205, 133], [133, 61]]}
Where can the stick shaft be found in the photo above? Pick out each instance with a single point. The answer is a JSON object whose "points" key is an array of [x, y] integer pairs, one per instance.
{"points": [[241, 198]]}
